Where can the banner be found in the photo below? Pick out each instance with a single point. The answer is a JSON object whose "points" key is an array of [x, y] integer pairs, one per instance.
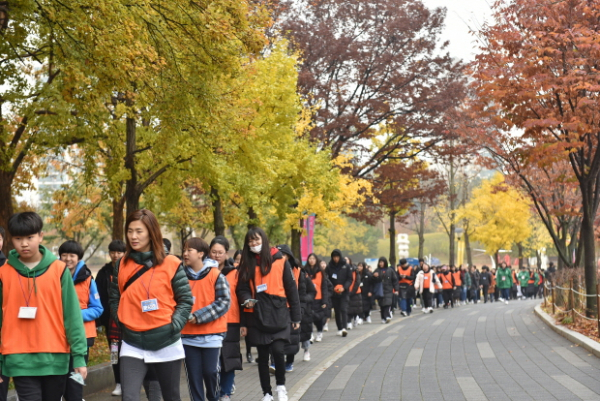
{"points": [[308, 236]]}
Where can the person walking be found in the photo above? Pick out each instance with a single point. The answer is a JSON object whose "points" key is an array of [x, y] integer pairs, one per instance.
{"points": [[266, 287], [474, 288], [485, 281], [355, 302], [425, 284], [504, 282], [457, 289], [230, 358], [206, 328], [329, 301], [406, 287], [340, 276], [447, 286], [319, 305], [366, 283], [386, 282], [151, 301]]}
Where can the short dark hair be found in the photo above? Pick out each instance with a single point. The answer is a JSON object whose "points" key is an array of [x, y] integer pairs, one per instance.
{"points": [[71, 247], [421, 260], [2, 233], [167, 244], [25, 223], [402, 262], [221, 240], [117, 246], [198, 244]]}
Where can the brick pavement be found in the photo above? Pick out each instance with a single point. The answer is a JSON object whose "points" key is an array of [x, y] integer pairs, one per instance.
{"points": [[475, 352]]}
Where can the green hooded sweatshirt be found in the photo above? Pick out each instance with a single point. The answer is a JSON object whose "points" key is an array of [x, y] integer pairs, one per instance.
{"points": [[47, 364]]}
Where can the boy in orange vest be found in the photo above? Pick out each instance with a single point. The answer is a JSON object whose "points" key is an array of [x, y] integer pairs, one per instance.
{"points": [[41, 323], [71, 253]]}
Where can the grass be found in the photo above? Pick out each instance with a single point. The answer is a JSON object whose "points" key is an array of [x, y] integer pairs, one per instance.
{"points": [[100, 352]]}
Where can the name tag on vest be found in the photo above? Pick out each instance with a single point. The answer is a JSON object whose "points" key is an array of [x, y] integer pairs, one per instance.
{"points": [[261, 288], [27, 312], [149, 305]]}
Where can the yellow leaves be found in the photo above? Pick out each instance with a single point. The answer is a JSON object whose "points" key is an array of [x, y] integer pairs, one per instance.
{"points": [[498, 215]]}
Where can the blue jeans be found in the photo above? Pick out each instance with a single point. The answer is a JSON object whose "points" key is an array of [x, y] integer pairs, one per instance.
{"points": [[406, 305], [463, 293], [202, 367], [505, 293], [227, 379]]}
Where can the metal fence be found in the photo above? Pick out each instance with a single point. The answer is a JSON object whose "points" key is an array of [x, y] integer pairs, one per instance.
{"points": [[569, 299]]}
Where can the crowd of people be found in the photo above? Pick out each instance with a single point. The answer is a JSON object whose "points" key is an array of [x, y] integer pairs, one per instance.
{"points": [[159, 310]]}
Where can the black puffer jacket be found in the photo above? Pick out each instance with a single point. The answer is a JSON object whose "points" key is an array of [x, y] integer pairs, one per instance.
{"points": [[231, 354], [366, 282], [388, 277], [160, 337], [296, 335], [306, 303], [255, 336], [338, 273], [355, 305], [315, 275], [103, 279]]}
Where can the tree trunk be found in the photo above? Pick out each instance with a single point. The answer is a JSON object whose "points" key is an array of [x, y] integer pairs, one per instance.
{"points": [[520, 247], [238, 244], [132, 197], [392, 238], [6, 206], [589, 256], [297, 243], [421, 230], [252, 217], [468, 249], [219, 222], [118, 220], [452, 247]]}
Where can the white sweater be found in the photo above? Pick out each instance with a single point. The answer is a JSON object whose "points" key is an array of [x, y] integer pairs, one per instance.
{"points": [[420, 278]]}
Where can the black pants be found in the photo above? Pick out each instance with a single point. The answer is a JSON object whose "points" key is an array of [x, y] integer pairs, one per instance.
{"points": [[74, 390], [340, 306], [133, 372], [366, 308], [486, 288], [40, 388], [4, 388], [202, 368], [264, 352], [447, 294], [426, 298]]}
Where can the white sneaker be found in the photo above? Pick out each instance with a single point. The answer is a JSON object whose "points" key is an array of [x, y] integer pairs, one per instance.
{"points": [[430, 309], [267, 397], [344, 333], [501, 299], [117, 390], [319, 337], [349, 326], [312, 338], [425, 310], [383, 321], [369, 319], [325, 327], [282, 393], [306, 356], [339, 333], [225, 398], [360, 321], [389, 319], [506, 302]]}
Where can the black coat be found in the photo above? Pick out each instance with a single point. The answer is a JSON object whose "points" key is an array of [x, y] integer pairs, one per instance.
{"points": [[329, 295], [306, 294], [355, 306], [103, 279], [317, 304], [389, 279], [338, 273], [366, 282], [255, 335], [231, 354]]}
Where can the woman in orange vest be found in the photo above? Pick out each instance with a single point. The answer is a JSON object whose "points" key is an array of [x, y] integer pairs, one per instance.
{"points": [[151, 301], [71, 253], [268, 292], [406, 284], [231, 357], [447, 286], [426, 283], [319, 305], [206, 328]]}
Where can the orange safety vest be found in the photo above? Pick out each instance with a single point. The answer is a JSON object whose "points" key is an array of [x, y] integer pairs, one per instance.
{"points": [[405, 272], [154, 284], [204, 292], [296, 273], [44, 334], [514, 276], [531, 279], [427, 277], [273, 280], [318, 281], [446, 281], [457, 280], [233, 314], [83, 294], [354, 276]]}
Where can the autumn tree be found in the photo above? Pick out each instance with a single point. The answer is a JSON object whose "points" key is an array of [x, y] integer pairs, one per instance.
{"points": [[537, 73], [498, 215], [370, 63]]}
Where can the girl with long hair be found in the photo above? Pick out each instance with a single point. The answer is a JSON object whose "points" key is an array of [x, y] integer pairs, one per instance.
{"points": [[319, 305]]}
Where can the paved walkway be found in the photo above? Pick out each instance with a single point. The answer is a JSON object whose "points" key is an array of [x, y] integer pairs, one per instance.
{"points": [[475, 352]]}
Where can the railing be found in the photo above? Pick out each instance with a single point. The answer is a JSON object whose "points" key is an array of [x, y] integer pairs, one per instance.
{"points": [[570, 300]]}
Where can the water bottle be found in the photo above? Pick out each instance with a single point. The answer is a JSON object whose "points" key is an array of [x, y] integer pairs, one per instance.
{"points": [[114, 353]]}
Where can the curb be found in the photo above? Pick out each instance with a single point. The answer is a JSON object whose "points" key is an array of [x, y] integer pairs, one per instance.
{"points": [[100, 377], [573, 336]]}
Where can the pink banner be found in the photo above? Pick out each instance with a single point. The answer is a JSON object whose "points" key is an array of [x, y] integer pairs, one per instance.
{"points": [[308, 235]]}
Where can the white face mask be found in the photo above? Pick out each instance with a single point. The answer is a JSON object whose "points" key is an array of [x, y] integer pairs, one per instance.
{"points": [[256, 249]]}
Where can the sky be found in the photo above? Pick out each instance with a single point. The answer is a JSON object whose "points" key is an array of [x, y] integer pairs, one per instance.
{"points": [[462, 16]]}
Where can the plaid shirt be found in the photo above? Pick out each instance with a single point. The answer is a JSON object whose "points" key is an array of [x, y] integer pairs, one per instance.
{"points": [[219, 307]]}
